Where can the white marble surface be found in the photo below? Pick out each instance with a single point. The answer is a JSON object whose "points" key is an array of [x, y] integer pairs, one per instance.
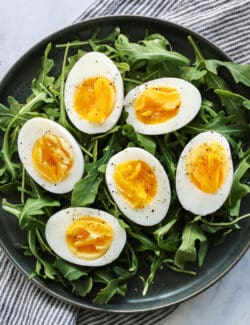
{"points": [[228, 301]]}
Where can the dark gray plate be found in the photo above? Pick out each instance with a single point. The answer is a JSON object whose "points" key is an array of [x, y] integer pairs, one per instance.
{"points": [[169, 288]]}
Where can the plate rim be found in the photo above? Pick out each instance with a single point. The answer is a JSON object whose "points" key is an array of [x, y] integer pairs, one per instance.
{"points": [[4, 80]]}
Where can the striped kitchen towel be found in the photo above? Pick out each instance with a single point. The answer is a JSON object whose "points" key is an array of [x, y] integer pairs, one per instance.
{"points": [[223, 22]]}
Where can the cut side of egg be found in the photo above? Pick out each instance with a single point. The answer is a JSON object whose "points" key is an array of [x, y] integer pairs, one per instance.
{"points": [[50, 155], [204, 173], [139, 185], [162, 105], [93, 93], [85, 236]]}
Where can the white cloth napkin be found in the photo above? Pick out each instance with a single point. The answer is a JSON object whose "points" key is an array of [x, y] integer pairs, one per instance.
{"points": [[225, 23]]}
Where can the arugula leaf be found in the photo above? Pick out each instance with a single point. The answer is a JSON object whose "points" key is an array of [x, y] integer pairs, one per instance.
{"points": [[69, 271], [105, 294], [43, 79], [11, 167], [144, 141], [43, 268], [103, 48], [83, 286], [9, 188], [35, 206], [115, 285], [192, 73], [146, 243], [111, 148], [7, 114], [187, 251], [170, 243], [169, 262], [239, 189], [32, 208], [246, 104], [167, 158], [232, 102], [240, 73], [221, 124], [15, 209], [109, 205], [123, 67], [220, 237], [85, 191], [71, 62], [213, 81], [26, 212], [150, 49]]}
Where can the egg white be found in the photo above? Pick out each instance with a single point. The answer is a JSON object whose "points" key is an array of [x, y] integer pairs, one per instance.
{"points": [[190, 196], [93, 64], [55, 233], [28, 135], [157, 209], [190, 105]]}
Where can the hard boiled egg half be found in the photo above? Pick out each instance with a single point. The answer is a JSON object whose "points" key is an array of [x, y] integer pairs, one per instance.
{"points": [[93, 93], [204, 173], [139, 185], [50, 154], [162, 105], [85, 236]]}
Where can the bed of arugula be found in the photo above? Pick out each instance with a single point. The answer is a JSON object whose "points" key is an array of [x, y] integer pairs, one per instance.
{"points": [[181, 241]]}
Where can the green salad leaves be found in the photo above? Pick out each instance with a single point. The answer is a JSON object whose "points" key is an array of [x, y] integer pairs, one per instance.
{"points": [[181, 241]]}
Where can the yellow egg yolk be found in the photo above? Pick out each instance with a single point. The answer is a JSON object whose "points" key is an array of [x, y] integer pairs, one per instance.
{"points": [[52, 157], [136, 182], [89, 237], [207, 166], [94, 99], [157, 105]]}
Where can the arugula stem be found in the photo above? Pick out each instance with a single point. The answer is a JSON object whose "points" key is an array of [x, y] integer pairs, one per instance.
{"points": [[28, 106], [76, 44], [169, 162], [109, 197], [11, 210], [42, 243], [169, 263], [137, 82], [95, 151], [62, 116], [196, 48], [47, 91], [53, 91], [86, 151], [225, 224], [155, 266], [23, 185], [90, 146]]}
